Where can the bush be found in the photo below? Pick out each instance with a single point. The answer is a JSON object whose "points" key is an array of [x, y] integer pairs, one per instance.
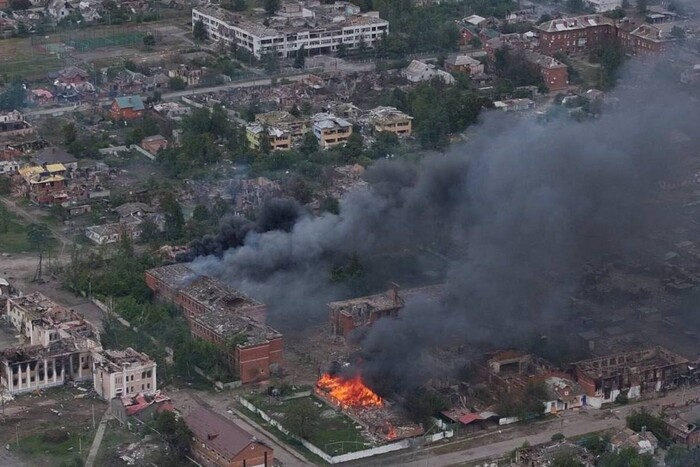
{"points": [[558, 436]]}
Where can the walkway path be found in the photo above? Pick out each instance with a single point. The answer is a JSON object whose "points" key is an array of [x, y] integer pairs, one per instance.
{"points": [[95, 448]]}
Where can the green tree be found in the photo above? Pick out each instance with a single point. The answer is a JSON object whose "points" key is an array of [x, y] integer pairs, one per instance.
{"points": [[239, 5], [627, 457], [12, 97], [20, 4], [301, 418], [270, 62], [678, 33], [149, 40], [642, 6], [5, 185], [37, 236], [330, 204], [199, 31], [300, 58], [174, 219], [4, 218], [342, 51], [176, 84], [643, 419], [149, 231], [566, 459], [271, 6], [174, 431], [70, 134]]}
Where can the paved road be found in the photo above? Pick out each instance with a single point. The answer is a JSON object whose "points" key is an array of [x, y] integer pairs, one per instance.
{"points": [[505, 441], [175, 94]]}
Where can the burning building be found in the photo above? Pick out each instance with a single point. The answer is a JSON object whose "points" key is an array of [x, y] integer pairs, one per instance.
{"points": [[348, 315], [633, 372]]}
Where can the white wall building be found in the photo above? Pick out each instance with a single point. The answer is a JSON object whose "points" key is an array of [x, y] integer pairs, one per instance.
{"points": [[119, 373], [322, 33], [602, 6]]}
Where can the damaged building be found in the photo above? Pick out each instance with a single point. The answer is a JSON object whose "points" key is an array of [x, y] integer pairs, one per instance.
{"points": [[348, 315], [122, 372], [57, 346], [219, 314], [630, 373]]}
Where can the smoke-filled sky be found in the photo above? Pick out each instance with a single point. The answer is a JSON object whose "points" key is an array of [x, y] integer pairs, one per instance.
{"points": [[514, 212]]}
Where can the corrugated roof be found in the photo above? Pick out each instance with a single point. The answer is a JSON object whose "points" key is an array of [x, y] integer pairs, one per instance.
{"points": [[130, 102]]}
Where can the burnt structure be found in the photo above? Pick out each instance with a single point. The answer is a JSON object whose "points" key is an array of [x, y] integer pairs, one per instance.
{"points": [[219, 314], [348, 315], [630, 373]]}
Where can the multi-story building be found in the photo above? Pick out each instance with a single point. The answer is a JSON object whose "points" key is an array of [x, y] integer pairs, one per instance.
{"points": [[58, 345], [631, 373], [218, 442], [44, 184], [576, 34], [554, 73], [584, 33], [391, 120], [330, 130], [219, 314], [348, 315], [285, 121], [122, 372], [278, 139], [320, 29]]}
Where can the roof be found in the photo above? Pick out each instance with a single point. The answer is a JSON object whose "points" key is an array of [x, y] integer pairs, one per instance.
{"points": [[215, 294], [219, 433], [326, 121], [466, 419], [130, 102], [474, 19], [73, 72], [368, 304], [174, 275], [128, 209], [543, 61], [557, 388], [54, 155], [574, 23], [388, 114], [237, 326], [462, 60]]}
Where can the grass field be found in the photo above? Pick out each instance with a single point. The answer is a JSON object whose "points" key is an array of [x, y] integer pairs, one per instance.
{"points": [[13, 234], [19, 59], [113, 40], [334, 432]]}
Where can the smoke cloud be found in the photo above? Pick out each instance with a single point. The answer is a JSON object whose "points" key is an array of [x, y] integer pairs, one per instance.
{"points": [[505, 220]]}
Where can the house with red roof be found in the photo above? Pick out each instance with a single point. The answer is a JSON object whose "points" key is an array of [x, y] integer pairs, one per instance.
{"points": [[218, 442]]}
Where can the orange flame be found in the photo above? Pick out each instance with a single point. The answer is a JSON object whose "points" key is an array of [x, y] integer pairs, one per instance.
{"points": [[349, 392]]}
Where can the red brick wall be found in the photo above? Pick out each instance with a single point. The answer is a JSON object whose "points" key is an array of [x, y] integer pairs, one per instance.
{"points": [[275, 347], [253, 363], [253, 454], [555, 78], [585, 382], [567, 41]]}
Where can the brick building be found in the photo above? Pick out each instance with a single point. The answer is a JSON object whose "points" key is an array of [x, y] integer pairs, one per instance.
{"points": [[574, 35], [218, 442], [630, 373], [348, 315], [219, 314], [128, 108], [44, 184], [554, 73]]}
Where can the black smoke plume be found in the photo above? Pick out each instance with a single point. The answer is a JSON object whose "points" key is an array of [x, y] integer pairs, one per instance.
{"points": [[512, 214]]}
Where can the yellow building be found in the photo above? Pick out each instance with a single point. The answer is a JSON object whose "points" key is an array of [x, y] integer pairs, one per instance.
{"points": [[331, 130], [279, 140], [285, 121], [391, 120]]}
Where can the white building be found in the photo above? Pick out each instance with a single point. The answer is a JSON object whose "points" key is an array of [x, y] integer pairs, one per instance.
{"points": [[319, 31], [418, 71], [119, 373], [601, 6], [330, 130]]}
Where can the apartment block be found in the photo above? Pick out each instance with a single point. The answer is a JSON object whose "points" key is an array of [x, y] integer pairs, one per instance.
{"points": [[330, 130], [391, 120], [123, 372], [318, 28]]}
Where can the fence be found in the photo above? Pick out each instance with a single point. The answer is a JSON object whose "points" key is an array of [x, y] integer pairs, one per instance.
{"points": [[397, 446]]}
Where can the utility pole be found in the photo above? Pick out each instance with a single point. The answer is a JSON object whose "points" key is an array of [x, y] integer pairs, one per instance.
{"points": [[93, 416]]}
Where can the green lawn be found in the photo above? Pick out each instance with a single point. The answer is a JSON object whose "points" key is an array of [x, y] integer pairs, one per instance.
{"points": [[335, 432], [59, 442], [14, 240]]}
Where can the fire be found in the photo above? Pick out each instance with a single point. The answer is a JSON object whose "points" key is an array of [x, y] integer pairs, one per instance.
{"points": [[349, 391]]}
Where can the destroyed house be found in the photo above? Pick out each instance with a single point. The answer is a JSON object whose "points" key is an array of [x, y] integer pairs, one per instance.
{"points": [[348, 315], [208, 294], [631, 373], [683, 427], [44, 184], [166, 281], [122, 372]]}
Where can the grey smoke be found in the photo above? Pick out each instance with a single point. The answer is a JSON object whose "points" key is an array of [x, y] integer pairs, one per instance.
{"points": [[515, 213]]}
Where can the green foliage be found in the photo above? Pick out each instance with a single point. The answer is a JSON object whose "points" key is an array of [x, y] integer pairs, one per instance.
{"points": [[5, 185], [565, 459], [37, 236], [611, 57], [512, 66], [174, 431], [20, 4], [271, 6], [199, 31], [348, 269], [617, 13], [642, 6], [12, 97], [270, 62], [174, 219], [627, 457], [679, 456], [421, 404], [596, 444], [300, 58], [639, 419], [300, 419], [70, 134], [622, 399], [330, 204], [558, 437], [678, 33], [149, 40], [176, 84]]}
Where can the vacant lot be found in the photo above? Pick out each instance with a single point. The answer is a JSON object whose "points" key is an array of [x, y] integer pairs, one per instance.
{"points": [[50, 428]]}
